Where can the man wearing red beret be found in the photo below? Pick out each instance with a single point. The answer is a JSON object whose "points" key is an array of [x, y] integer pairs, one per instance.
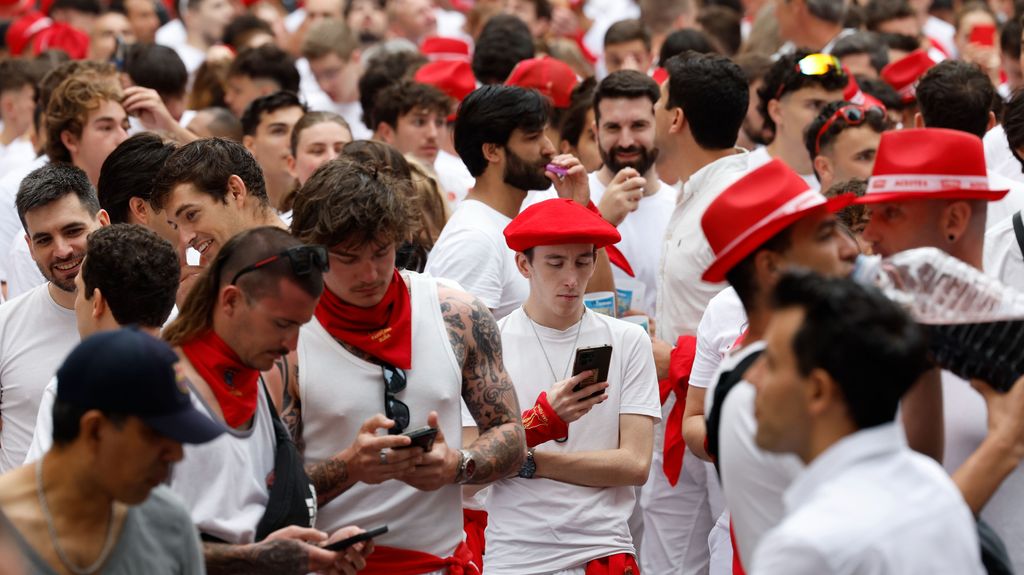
{"points": [[581, 486]]}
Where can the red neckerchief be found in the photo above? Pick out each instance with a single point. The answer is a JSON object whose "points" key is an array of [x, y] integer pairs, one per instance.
{"points": [[232, 382], [383, 331]]}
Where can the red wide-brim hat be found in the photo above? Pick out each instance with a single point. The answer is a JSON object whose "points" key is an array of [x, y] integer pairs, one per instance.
{"points": [[558, 222]]}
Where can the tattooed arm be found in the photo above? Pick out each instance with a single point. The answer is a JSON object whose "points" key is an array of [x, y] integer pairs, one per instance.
{"points": [[486, 387], [270, 557]]}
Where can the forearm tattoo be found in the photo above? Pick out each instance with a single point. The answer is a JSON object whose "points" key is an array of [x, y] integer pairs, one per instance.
{"points": [[329, 477], [291, 404], [278, 557]]}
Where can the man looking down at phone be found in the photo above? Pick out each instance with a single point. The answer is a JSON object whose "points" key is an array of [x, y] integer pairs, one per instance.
{"points": [[582, 488], [387, 354]]}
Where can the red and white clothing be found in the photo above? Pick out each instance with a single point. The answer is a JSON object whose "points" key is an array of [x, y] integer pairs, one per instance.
{"points": [[471, 250], [1004, 258], [537, 526], [643, 233], [340, 391]]}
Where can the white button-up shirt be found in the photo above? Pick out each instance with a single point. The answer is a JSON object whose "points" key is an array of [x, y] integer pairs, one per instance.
{"points": [[869, 505]]}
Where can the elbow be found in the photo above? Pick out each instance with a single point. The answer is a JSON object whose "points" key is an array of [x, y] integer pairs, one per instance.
{"points": [[639, 473]]}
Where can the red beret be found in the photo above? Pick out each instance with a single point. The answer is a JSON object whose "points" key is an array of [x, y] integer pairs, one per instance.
{"points": [[452, 77], [559, 222]]}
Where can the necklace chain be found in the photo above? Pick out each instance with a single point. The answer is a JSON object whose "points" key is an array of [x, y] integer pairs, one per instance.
{"points": [[568, 363], [108, 543]]}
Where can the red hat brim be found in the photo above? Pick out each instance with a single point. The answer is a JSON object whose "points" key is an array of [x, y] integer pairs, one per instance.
{"points": [[728, 260], [910, 196]]}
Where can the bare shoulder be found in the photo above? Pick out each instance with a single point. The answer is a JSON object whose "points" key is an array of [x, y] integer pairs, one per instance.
{"points": [[18, 488]]}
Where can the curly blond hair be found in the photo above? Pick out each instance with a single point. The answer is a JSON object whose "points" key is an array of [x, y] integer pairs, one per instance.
{"points": [[70, 105]]}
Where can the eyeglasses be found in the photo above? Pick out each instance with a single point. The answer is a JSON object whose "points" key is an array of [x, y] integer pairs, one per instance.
{"points": [[394, 408], [853, 115], [304, 259], [815, 65]]}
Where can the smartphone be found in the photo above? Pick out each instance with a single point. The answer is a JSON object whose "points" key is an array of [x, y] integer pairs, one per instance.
{"points": [[422, 437], [350, 541], [983, 34], [596, 358]]}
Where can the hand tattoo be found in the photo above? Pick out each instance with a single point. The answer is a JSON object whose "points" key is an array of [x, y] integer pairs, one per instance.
{"points": [[277, 557]]}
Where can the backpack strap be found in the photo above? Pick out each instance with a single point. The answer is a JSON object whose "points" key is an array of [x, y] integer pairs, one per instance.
{"points": [[1018, 230], [726, 382]]}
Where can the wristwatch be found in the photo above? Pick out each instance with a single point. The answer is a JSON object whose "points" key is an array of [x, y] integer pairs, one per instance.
{"points": [[467, 467], [529, 467]]}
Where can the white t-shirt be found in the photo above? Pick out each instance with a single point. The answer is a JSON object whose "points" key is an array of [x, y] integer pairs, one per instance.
{"points": [[998, 157], [760, 157], [18, 153], [541, 525], [643, 237], [454, 177], [42, 435], [23, 274], [10, 223], [1012, 203], [35, 336], [753, 480], [1003, 257], [869, 505], [682, 296], [943, 32], [723, 322], [471, 250]]}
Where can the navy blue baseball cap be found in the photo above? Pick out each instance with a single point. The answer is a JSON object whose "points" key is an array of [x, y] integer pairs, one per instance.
{"points": [[130, 372]]}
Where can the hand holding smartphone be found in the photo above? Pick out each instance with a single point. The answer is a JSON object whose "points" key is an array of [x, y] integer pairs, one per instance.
{"points": [[359, 538], [422, 437], [592, 358]]}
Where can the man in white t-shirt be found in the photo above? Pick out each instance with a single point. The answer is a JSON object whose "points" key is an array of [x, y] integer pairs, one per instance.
{"points": [[17, 103], [204, 22], [865, 502], [332, 54], [58, 209], [765, 223], [702, 106], [499, 134], [569, 508], [627, 189]]}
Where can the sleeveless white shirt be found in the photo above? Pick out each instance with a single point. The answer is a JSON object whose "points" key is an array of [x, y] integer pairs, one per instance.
{"points": [[340, 391]]}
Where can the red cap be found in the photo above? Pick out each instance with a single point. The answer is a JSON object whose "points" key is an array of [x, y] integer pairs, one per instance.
{"points": [[453, 77], [903, 74], [21, 31], [754, 209], [551, 77], [929, 164], [444, 48], [558, 222], [659, 75], [64, 37]]}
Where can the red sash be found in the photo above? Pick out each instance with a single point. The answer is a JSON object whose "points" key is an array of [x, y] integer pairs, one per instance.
{"points": [[737, 565], [383, 331], [620, 564], [542, 424], [396, 561], [680, 366], [232, 382], [474, 523]]}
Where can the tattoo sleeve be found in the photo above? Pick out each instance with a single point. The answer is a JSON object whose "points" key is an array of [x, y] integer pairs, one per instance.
{"points": [[329, 477], [278, 557], [486, 387], [291, 404]]}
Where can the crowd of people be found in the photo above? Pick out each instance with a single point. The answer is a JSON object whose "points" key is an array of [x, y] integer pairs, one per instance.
{"points": [[504, 287]]}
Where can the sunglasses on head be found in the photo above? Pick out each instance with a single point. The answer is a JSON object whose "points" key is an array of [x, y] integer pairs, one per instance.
{"points": [[304, 259], [394, 408], [853, 115], [815, 65]]}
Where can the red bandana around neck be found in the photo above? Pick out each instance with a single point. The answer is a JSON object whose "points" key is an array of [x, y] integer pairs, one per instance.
{"points": [[233, 384], [383, 331]]}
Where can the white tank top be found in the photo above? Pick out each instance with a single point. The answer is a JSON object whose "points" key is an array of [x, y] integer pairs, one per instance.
{"points": [[340, 391], [223, 483]]}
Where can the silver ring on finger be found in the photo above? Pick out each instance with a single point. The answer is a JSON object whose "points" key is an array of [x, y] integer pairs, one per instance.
{"points": [[383, 456]]}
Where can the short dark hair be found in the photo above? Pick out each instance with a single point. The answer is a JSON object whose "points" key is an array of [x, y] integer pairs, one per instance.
{"points": [[157, 67], [15, 74], [490, 114], [51, 183], [67, 421], [575, 116], [129, 172], [882, 91], [785, 77], [268, 104], [243, 27], [723, 26], [900, 42], [207, 165], [383, 70], [403, 97], [85, 6], [1013, 123], [137, 272], [1009, 38], [224, 124], [684, 40], [627, 31], [742, 277], [267, 62], [504, 42], [862, 42], [627, 84], [713, 93], [351, 201], [844, 325], [811, 139], [385, 156], [878, 12], [956, 95]]}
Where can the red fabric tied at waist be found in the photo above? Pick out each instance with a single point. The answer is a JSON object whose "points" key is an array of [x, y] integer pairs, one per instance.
{"points": [[737, 565], [396, 561], [620, 564], [474, 523], [679, 368], [542, 424]]}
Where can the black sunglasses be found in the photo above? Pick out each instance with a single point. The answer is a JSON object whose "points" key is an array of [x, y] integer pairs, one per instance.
{"points": [[394, 408], [304, 260]]}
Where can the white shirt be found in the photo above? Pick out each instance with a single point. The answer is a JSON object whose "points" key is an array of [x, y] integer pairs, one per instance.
{"points": [[471, 250], [760, 157], [540, 525], [35, 336], [353, 114], [643, 238], [454, 177], [23, 274], [42, 435], [1012, 203], [19, 152], [942, 32], [869, 505], [723, 322], [998, 157], [10, 223], [686, 254], [1003, 258], [753, 480]]}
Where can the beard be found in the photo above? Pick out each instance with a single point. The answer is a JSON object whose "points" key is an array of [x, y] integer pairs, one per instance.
{"points": [[67, 285], [641, 164], [525, 175]]}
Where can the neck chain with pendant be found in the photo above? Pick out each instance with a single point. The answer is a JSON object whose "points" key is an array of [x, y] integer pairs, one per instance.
{"points": [[108, 543], [565, 372]]}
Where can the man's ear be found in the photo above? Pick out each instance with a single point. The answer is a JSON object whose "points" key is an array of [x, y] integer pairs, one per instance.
{"points": [[290, 165], [823, 167], [99, 303], [823, 393], [248, 142], [678, 121], [523, 265], [955, 219], [103, 218], [775, 110], [70, 141], [919, 120], [237, 191], [991, 121], [385, 133], [138, 209], [493, 153]]}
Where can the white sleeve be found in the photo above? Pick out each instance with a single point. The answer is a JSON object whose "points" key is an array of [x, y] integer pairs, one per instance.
{"points": [[640, 377], [707, 358], [781, 554], [42, 436], [468, 256]]}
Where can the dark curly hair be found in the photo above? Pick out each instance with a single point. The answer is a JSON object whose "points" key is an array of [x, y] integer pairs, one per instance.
{"points": [[207, 165]]}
